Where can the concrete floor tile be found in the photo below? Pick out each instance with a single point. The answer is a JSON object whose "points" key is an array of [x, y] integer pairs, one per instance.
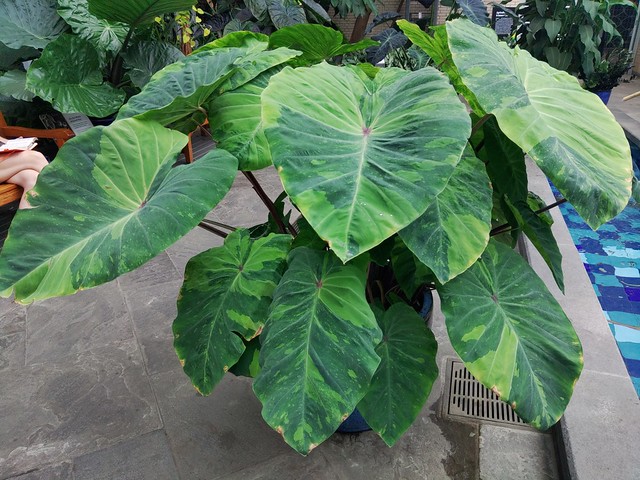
{"points": [[153, 310], [57, 472], [74, 400], [12, 351], [510, 453], [12, 317], [147, 457], [216, 435], [601, 428], [156, 271], [59, 329], [193, 243]]}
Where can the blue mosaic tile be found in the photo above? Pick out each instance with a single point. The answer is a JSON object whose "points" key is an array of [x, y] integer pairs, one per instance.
{"points": [[611, 257]]}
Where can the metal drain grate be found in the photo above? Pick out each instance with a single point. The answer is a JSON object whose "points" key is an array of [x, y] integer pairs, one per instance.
{"points": [[470, 399]]}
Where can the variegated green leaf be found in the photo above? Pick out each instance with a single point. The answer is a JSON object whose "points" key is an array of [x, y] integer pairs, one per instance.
{"points": [[405, 375], [225, 297], [543, 111], [178, 93], [133, 206], [68, 75], [454, 230], [318, 344], [362, 158], [512, 335], [236, 123]]}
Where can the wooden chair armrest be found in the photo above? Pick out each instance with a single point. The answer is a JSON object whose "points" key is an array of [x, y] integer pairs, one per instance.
{"points": [[9, 193], [60, 135]]}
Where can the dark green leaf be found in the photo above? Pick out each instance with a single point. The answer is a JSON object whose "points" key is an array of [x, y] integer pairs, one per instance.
{"points": [[68, 75], [136, 12], [146, 57], [134, 205], [454, 230], [284, 13], [405, 375], [225, 297], [317, 353]]}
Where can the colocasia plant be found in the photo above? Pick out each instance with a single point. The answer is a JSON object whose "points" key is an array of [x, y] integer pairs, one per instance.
{"points": [[395, 185]]}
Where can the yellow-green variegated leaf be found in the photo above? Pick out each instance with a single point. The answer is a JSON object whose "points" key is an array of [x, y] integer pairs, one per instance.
{"points": [[318, 348], [512, 335], [177, 94], [362, 158], [567, 131], [225, 297], [454, 230], [236, 123], [405, 375], [108, 203]]}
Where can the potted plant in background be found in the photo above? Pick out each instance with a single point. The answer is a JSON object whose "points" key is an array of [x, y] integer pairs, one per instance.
{"points": [[608, 72], [86, 56], [398, 188], [571, 36]]}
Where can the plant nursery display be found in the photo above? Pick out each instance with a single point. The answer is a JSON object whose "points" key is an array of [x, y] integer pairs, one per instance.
{"points": [[400, 181]]}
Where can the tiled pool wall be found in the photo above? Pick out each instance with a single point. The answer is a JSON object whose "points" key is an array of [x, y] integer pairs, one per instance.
{"points": [[611, 257]]}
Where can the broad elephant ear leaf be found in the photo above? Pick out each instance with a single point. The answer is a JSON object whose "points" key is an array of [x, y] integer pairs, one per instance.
{"points": [[68, 75], [29, 24], [454, 230], [388, 40], [134, 205], [475, 11], [317, 356], [316, 42], [225, 298], [516, 339], [405, 375], [236, 122], [284, 13], [542, 110], [147, 57], [362, 158], [136, 12], [104, 35], [177, 94]]}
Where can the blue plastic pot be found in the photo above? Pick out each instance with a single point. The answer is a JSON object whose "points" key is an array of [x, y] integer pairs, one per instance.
{"points": [[604, 95]]}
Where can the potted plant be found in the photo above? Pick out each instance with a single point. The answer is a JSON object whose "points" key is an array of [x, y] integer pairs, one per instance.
{"points": [[608, 71], [85, 56], [571, 36], [399, 188]]}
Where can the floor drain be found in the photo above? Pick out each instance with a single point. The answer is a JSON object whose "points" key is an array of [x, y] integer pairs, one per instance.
{"points": [[470, 399]]}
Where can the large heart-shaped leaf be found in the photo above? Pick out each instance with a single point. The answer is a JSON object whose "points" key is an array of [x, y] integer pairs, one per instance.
{"points": [[405, 375], [318, 344], [512, 335], [389, 40], [225, 297], [454, 230], [285, 12], [362, 158], [178, 92], [105, 36], [542, 110], [68, 75], [146, 57], [475, 11], [236, 123], [108, 203], [316, 42], [32, 23], [136, 12]]}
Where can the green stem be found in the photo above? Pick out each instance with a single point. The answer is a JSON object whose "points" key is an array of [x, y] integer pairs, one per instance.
{"points": [[218, 224], [505, 227], [211, 229], [116, 68]]}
